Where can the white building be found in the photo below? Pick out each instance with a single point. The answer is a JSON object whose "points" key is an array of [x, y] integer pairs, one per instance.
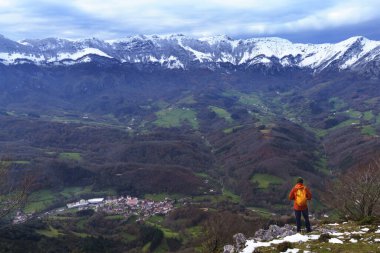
{"points": [[132, 201], [95, 201], [80, 203]]}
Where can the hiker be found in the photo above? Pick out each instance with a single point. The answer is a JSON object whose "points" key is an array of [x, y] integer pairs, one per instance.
{"points": [[301, 194]]}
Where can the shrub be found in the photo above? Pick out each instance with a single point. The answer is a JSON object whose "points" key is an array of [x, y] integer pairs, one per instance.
{"points": [[356, 237], [174, 244], [284, 246], [356, 193], [85, 212], [368, 220], [324, 238]]}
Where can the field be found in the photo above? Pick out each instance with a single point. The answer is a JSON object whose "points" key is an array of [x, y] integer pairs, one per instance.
{"points": [[264, 180], [70, 156], [231, 196], [323, 166], [368, 115], [41, 200], [368, 130], [175, 117], [337, 103], [221, 113], [231, 129], [246, 99], [261, 211], [162, 196], [354, 114], [348, 122], [378, 119], [189, 100], [50, 232]]}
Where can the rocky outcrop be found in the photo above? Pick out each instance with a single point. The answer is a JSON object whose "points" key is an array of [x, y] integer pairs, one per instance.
{"points": [[229, 249], [274, 232], [240, 241]]}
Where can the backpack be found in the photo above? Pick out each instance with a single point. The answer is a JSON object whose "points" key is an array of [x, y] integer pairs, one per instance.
{"points": [[301, 198]]}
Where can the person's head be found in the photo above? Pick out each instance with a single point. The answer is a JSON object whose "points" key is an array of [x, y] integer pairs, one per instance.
{"points": [[299, 180]]}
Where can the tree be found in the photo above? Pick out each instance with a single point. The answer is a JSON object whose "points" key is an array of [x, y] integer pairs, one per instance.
{"points": [[356, 193], [217, 232], [13, 191], [219, 228]]}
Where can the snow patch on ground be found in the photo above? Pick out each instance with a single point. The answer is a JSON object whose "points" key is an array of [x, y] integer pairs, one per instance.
{"points": [[252, 244], [292, 250], [337, 234], [358, 232], [335, 240]]}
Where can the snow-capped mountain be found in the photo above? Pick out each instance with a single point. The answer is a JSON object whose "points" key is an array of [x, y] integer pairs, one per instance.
{"points": [[179, 51]]}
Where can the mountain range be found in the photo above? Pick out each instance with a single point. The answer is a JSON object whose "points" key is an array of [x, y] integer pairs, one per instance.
{"points": [[183, 52]]}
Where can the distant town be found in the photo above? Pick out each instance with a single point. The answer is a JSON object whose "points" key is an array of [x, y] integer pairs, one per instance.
{"points": [[125, 206]]}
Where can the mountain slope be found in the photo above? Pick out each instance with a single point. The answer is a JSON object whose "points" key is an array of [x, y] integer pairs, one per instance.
{"points": [[182, 52]]}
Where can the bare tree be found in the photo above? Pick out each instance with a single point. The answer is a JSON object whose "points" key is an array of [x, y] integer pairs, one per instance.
{"points": [[216, 233], [356, 193], [13, 192], [220, 227]]}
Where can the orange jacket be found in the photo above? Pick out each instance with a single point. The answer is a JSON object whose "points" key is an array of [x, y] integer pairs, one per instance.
{"points": [[292, 196]]}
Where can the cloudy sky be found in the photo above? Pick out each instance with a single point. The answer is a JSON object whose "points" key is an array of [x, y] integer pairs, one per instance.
{"points": [[297, 20]]}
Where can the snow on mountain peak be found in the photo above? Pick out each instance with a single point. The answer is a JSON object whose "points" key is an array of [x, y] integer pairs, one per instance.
{"points": [[180, 51], [178, 36], [80, 54], [271, 40], [216, 39]]}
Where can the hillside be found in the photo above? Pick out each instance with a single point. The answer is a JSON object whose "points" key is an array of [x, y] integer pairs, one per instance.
{"points": [[333, 237], [235, 127], [220, 138]]}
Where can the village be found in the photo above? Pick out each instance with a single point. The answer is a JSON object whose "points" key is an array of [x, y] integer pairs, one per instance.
{"points": [[126, 206]]}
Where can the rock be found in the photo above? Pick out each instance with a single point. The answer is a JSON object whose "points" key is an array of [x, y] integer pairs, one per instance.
{"points": [[240, 241], [324, 238], [229, 249], [284, 246], [274, 232], [325, 230], [287, 230]]}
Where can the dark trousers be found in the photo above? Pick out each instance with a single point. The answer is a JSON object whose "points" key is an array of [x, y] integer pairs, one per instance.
{"points": [[305, 214]]}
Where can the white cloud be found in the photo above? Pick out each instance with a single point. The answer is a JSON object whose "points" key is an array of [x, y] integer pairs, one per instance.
{"points": [[347, 13], [197, 17], [117, 18], [5, 4]]}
